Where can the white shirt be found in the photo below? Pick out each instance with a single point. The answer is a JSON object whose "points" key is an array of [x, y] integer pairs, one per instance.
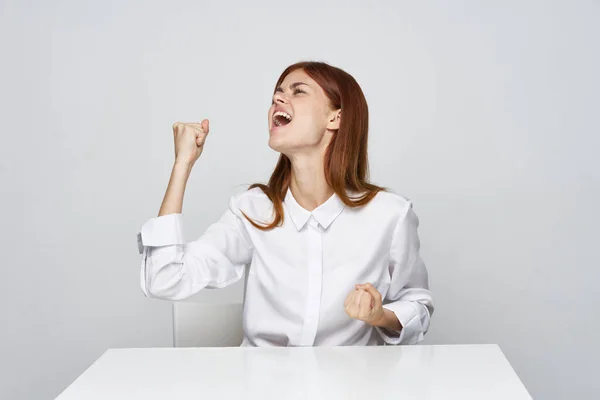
{"points": [[301, 272]]}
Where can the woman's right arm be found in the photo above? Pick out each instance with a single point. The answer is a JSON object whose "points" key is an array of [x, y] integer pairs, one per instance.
{"points": [[189, 142], [173, 269]]}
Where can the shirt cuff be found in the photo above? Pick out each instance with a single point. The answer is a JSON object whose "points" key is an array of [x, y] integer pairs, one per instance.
{"points": [[166, 230], [408, 316]]}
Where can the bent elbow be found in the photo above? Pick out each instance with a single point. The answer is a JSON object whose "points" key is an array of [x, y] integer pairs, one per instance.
{"points": [[167, 287], [166, 281]]}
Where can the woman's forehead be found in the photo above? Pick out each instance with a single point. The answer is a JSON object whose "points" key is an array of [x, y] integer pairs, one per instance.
{"points": [[297, 76]]}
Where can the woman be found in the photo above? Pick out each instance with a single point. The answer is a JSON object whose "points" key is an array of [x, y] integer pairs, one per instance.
{"points": [[333, 260]]}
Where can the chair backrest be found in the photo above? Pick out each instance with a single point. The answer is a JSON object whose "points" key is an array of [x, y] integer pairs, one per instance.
{"points": [[207, 325], [213, 318]]}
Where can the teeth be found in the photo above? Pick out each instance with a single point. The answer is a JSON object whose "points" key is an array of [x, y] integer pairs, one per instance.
{"points": [[283, 114]]}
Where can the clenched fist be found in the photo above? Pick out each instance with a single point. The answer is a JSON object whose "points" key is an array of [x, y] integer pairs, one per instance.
{"points": [[189, 140], [364, 304]]}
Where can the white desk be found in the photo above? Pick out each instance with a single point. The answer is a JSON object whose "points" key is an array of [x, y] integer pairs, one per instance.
{"points": [[387, 372]]}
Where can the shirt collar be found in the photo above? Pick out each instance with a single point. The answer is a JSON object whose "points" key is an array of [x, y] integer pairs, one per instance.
{"points": [[325, 214]]}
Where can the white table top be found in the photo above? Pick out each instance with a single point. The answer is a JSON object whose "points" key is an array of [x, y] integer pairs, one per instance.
{"points": [[379, 372]]}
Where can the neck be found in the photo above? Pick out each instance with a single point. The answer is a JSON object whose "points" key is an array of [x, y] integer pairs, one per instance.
{"points": [[308, 184]]}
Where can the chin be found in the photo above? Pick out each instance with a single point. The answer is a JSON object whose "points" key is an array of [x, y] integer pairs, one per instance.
{"points": [[289, 141], [276, 143]]}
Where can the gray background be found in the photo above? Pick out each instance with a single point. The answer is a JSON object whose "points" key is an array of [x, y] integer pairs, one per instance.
{"points": [[485, 114]]}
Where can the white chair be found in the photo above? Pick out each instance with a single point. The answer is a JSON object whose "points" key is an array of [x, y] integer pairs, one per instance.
{"points": [[213, 318], [207, 325]]}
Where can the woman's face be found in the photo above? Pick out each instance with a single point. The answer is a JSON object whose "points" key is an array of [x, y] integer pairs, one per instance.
{"points": [[300, 117]]}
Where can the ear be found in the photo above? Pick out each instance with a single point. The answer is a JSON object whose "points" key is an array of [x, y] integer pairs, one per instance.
{"points": [[335, 118]]}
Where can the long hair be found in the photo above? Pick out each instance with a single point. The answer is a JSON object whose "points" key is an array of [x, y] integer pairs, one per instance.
{"points": [[346, 162]]}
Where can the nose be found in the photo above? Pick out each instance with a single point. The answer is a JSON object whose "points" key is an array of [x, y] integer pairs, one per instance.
{"points": [[279, 98]]}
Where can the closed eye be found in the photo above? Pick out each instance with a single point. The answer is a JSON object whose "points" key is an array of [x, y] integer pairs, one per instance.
{"points": [[296, 91], [293, 86]]}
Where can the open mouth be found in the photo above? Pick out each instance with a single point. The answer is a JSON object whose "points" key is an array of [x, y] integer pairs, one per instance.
{"points": [[281, 118]]}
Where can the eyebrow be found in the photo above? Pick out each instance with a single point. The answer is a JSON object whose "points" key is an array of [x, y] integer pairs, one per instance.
{"points": [[292, 86]]}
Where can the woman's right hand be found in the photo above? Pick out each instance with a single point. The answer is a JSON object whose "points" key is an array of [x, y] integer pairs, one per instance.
{"points": [[189, 140]]}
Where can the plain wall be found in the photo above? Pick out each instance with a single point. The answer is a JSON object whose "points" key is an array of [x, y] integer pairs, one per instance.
{"points": [[485, 114]]}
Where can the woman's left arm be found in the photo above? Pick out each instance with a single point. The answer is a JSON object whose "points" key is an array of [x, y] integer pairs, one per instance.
{"points": [[403, 316], [408, 298]]}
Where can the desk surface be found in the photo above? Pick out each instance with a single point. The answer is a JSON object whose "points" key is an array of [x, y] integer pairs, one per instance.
{"points": [[398, 372]]}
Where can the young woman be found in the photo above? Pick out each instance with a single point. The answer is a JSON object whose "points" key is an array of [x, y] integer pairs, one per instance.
{"points": [[333, 259]]}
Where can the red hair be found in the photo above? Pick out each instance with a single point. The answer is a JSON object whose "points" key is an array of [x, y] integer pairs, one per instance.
{"points": [[346, 162]]}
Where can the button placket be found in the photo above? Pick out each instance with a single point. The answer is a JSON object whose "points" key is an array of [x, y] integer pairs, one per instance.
{"points": [[314, 283]]}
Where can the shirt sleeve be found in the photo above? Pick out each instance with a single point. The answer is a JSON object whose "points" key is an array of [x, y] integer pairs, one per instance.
{"points": [[173, 269], [408, 296]]}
